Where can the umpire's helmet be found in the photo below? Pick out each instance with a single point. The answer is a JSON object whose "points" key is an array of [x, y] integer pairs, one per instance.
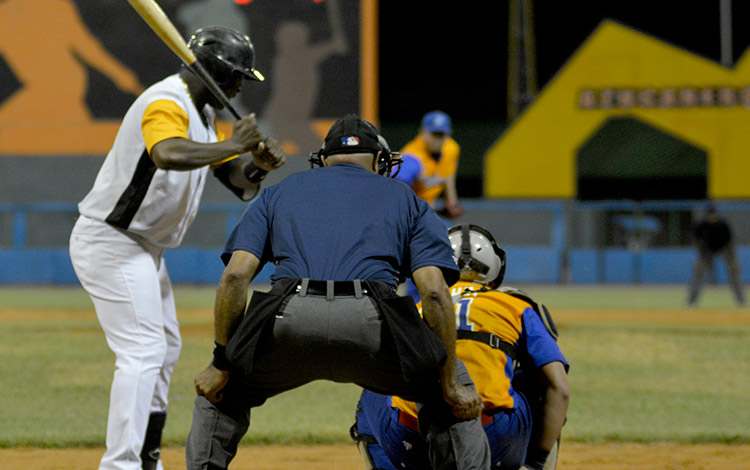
{"points": [[352, 134], [478, 253], [225, 52]]}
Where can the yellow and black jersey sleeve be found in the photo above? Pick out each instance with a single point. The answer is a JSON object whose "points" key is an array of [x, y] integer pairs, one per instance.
{"points": [[162, 120]]}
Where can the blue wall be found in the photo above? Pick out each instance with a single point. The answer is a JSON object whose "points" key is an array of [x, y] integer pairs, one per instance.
{"points": [[34, 251], [652, 266], [526, 265]]}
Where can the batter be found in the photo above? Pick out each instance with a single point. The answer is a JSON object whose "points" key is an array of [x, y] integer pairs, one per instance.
{"points": [[144, 198]]}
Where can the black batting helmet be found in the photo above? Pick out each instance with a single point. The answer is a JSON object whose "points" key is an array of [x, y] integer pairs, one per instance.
{"points": [[224, 52]]}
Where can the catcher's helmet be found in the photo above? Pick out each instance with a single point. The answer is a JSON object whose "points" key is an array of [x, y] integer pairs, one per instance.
{"points": [[476, 250], [224, 52], [351, 134]]}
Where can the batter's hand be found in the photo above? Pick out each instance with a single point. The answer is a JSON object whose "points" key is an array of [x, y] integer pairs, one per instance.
{"points": [[466, 402], [210, 383], [269, 155], [246, 134]]}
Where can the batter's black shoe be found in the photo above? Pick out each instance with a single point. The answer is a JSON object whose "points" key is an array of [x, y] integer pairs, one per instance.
{"points": [[151, 451]]}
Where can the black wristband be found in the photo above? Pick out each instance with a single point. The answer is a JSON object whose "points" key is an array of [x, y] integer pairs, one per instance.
{"points": [[220, 357], [253, 173], [536, 458]]}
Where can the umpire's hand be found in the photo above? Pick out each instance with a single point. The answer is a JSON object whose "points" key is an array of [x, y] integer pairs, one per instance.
{"points": [[210, 383], [466, 402]]}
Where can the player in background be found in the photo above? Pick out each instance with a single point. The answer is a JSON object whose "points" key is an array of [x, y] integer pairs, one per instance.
{"points": [[431, 162], [508, 343], [714, 239], [143, 200]]}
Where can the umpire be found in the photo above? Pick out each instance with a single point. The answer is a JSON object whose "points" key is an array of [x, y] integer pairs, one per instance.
{"points": [[714, 239], [341, 237]]}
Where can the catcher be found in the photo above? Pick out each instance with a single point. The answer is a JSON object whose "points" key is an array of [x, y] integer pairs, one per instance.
{"points": [[508, 343], [144, 199]]}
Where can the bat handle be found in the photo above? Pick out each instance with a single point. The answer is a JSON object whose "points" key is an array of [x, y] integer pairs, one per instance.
{"points": [[233, 111], [207, 80]]}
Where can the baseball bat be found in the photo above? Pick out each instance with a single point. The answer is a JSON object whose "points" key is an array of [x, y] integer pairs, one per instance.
{"points": [[154, 16]]}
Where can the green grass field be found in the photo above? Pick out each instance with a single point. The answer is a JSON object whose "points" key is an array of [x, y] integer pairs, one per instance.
{"points": [[664, 373]]}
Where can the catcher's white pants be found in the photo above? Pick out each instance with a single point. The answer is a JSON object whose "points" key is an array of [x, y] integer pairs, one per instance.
{"points": [[129, 285]]}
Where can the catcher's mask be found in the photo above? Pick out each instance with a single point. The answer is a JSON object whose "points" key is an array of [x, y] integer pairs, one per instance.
{"points": [[476, 250], [226, 54], [351, 134]]}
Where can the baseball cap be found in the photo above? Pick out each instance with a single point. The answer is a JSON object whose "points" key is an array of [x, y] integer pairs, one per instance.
{"points": [[351, 134], [437, 121]]}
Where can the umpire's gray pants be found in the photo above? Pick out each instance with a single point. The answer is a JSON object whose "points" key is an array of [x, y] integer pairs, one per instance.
{"points": [[341, 340]]}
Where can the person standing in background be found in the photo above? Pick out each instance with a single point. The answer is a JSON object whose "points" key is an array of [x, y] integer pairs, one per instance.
{"points": [[714, 238]]}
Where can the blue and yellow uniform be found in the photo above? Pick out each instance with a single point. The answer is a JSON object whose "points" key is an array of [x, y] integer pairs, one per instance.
{"points": [[507, 415], [426, 173]]}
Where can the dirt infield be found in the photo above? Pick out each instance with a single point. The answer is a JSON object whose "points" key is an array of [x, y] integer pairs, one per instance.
{"points": [[573, 456]]}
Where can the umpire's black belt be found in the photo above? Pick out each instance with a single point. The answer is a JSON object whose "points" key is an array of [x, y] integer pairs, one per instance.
{"points": [[331, 289]]}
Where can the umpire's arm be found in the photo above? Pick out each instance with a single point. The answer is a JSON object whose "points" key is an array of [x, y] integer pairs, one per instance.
{"points": [[438, 311], [231, 296], [231, 299]]}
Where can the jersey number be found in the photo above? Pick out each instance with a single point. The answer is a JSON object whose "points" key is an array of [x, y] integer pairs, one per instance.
{"points": [[463, 306]]}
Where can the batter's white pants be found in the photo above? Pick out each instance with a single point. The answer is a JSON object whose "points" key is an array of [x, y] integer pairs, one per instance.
{"points": [[129, 285]]}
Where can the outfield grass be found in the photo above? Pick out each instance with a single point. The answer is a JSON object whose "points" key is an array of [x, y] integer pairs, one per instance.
{"points": [[557, 296], [653, 377]]}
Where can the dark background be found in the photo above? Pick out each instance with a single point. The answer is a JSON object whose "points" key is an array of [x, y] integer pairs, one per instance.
{"points": [[448, 55], [454, 56]]}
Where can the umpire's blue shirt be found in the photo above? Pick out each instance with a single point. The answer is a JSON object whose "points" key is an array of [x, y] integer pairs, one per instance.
{"points": [[341, 223]]}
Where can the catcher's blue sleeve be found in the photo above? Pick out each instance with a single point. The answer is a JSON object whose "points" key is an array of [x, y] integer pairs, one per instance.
{"points": [[410, 169], [540, 346]]}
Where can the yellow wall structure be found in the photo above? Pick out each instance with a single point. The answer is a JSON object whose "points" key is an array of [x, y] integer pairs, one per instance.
{"points": [[622, 72]]}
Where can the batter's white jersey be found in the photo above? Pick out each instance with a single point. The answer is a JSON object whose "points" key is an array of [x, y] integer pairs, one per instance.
{"points": [[131, 193]]}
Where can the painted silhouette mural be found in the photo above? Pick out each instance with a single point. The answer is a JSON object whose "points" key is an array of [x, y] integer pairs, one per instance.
{"points": [[47, 47], [68, 68], [296, 80]]}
